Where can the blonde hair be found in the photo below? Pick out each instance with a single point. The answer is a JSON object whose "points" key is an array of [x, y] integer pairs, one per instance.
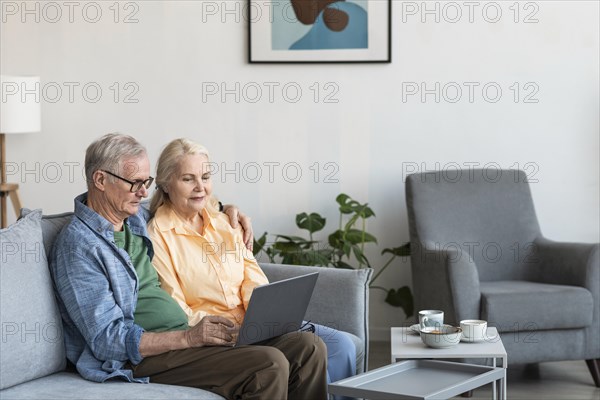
{"points": [[167, 166]]}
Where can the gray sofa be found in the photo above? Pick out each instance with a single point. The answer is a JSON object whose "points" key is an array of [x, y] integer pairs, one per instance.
{"points": [[32, 354]]}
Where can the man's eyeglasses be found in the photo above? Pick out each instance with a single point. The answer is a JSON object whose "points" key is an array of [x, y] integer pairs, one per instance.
{"points": [[135, 185]]}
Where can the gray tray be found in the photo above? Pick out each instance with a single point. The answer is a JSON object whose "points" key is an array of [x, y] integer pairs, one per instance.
{"points": [[417, 379]]}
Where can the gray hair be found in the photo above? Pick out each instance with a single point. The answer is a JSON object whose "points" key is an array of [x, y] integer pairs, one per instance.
{"points": [[108, 152]]}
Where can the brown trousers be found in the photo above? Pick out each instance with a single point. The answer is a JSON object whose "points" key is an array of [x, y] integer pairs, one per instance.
{"points": [[291, 366]]}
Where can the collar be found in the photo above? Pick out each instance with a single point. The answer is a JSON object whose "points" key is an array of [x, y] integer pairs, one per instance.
{"points": [[101, 225], [167, 219]]}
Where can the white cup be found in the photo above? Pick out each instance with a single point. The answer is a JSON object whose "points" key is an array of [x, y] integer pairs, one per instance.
{"points": [[474, 329], [431, 319]]}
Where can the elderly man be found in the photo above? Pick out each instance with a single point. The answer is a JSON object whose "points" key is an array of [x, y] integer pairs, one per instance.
{"points": [[119, 323]]}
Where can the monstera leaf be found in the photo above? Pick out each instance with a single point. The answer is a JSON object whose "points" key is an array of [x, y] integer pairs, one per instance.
{"points": [[312, 222]]}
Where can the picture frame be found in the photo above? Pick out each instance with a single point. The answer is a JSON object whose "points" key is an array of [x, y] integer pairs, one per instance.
{"points": [[319, 31]]}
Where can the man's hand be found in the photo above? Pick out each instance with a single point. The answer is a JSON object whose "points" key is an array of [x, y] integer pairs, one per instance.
{"points": [[212, 331], [237, 217]]}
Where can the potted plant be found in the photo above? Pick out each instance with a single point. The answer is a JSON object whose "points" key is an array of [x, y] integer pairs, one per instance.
{"points": [[345, 247]]}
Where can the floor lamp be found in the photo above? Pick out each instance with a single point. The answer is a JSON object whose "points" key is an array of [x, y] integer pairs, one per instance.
{"points": [[20, 112]]}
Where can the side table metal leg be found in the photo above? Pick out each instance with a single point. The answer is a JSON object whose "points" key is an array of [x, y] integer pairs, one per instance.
{"points": [[502, 387], [494, 386], [499, 384], [505, 366]]}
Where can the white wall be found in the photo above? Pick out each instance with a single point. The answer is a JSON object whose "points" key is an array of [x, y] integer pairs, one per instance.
{"points": [[370, 135]]}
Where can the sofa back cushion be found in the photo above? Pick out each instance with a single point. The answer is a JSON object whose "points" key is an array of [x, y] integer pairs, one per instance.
{"points": [[51, 227], [32, 341]]}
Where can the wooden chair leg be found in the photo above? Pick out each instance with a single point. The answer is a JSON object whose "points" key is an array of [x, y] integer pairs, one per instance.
{"points": [[16, 201], [594, 367]]}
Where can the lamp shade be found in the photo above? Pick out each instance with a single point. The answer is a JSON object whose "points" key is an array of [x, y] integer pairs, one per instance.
{"points": [[20, 110]]}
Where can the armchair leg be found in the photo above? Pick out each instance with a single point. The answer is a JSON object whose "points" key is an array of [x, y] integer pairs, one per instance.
{"points": [[594, 367]]}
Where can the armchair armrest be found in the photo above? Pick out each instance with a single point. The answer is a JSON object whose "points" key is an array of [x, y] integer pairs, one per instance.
{"points": [[576, 264], [446, 280], [563, 263]]}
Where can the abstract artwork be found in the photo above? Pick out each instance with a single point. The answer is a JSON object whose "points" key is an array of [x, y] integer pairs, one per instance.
{"points": [[319, 31]]}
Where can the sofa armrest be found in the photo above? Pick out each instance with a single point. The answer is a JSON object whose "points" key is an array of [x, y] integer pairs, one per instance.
{"points": [[446, 280], [563, 263], [340, 299]]}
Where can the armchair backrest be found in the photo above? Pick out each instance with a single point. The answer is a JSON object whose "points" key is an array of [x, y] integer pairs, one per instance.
{"points": [[487, 214]]}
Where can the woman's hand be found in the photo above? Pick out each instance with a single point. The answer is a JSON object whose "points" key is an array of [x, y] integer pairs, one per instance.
{"points": [[236, 218], [212, 330]]}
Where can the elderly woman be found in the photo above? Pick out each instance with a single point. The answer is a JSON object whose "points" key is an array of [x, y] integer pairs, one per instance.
{"points": [[201, 260]]}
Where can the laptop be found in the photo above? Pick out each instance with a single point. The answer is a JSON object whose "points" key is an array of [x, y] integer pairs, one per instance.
{"points": [[276, 309]]}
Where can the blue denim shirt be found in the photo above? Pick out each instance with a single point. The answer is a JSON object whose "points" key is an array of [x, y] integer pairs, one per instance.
{"points": [[97, 287]]}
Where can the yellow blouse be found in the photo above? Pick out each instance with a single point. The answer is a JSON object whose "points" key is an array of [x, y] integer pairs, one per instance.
{"points": [[208, 274]]}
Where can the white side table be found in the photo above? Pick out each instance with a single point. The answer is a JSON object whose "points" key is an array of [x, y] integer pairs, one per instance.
{"points": [[408, 346]]}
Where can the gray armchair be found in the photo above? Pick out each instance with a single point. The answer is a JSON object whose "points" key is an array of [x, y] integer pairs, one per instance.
{"points": [[478, 253]]}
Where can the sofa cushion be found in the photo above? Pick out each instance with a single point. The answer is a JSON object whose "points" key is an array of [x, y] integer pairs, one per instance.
{"points": [[32, 341], [523, 306], [67, 385], [51, 226]]}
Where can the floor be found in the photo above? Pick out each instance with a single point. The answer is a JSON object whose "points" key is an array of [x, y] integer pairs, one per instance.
{"points": [[565, 380]]}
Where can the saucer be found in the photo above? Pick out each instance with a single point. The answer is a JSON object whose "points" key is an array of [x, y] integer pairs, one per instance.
{"points": [[484, 339]]}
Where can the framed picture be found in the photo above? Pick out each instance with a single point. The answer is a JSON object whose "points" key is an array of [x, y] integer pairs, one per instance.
{"points": [[320, 31]]}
